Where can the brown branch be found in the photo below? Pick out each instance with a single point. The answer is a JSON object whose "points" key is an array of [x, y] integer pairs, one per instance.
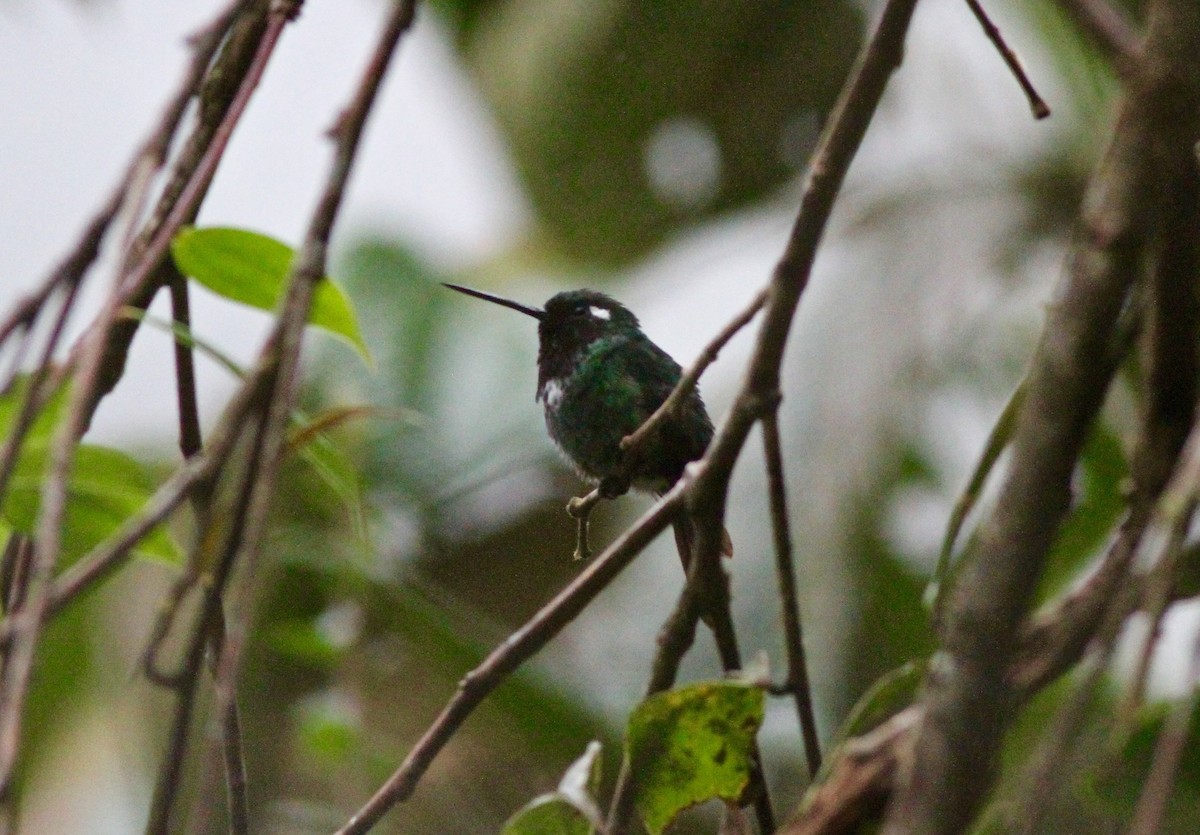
{"points": [[1038, 105], [136, 276], [516, 649], [860, 781], [1151, 809], [216, 82], [205, 632], [704, 488], [970, 702], [785, 571]]}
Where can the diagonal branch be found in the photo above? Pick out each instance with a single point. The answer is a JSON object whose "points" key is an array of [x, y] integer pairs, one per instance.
{"points": [[517, 648], [968, 700], [703, 486]]}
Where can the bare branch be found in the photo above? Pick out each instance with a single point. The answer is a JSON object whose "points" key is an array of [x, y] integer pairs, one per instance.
{"points": [[1039, 107], [689, 379], [1148, 816], [968, 699], [516, 649], [785, 571]]}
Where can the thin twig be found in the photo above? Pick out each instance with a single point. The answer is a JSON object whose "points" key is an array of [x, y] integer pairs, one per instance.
{"points": [[785, 570], [29, 619], [688, 381], [224, 672], [190, 443], [1039, 107], [1151, 809], [154, 150], [1158, 593], [215, 82], [838, 147], [186, 681], [517, 648], [969, 707], [1039, 780], [859, 782], [39, 389], [189, 199]]}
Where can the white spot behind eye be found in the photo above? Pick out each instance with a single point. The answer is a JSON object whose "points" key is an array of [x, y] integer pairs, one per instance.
{"points": [[600, 312]]}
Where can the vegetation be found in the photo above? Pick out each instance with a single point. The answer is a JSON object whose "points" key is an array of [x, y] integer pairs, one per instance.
{"points": [[962, 596]]}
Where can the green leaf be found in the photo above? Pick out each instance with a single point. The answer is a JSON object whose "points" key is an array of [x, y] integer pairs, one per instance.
{"points": [[252, 269], [891, 693], [571, 810], [549, 814], [106, 487], [997, 441], [690, 745], [42, 426]]}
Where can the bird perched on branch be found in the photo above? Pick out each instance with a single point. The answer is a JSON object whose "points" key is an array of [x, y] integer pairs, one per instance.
{"points": [[599, 379]]}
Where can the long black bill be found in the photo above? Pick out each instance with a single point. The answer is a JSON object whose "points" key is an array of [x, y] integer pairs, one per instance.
{"points": [[536, 313]]}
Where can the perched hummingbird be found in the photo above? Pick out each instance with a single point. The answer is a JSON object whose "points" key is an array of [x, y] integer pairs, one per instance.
{"points": [[599, 379]]}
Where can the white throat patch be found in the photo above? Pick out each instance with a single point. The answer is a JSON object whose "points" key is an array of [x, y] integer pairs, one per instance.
{"points": [[552, 392], [600, 312]]}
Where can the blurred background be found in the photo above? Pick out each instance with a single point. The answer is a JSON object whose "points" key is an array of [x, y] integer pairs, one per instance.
{"points": [[654, 151]]}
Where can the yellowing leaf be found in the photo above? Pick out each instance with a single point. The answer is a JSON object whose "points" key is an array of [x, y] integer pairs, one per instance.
{"points": [[690, 745]]}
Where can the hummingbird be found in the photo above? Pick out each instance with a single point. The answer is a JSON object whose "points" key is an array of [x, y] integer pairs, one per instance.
{"points": [[599, 378]]}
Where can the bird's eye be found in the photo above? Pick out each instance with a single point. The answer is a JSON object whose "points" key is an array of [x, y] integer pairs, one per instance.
{"points": [[600, 312]]}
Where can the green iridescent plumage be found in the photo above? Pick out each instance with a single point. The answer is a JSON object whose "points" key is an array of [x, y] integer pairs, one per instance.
{"points": [[599, 379], [617, 384]]}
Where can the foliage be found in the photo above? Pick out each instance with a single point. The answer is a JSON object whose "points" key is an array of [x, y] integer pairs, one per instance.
{"points": [[371, 528], [252, 269]]}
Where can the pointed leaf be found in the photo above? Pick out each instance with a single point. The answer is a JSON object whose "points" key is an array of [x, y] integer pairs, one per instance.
{"points": [[891, 693], [571, 810], [549, 814], [253, 269]]}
